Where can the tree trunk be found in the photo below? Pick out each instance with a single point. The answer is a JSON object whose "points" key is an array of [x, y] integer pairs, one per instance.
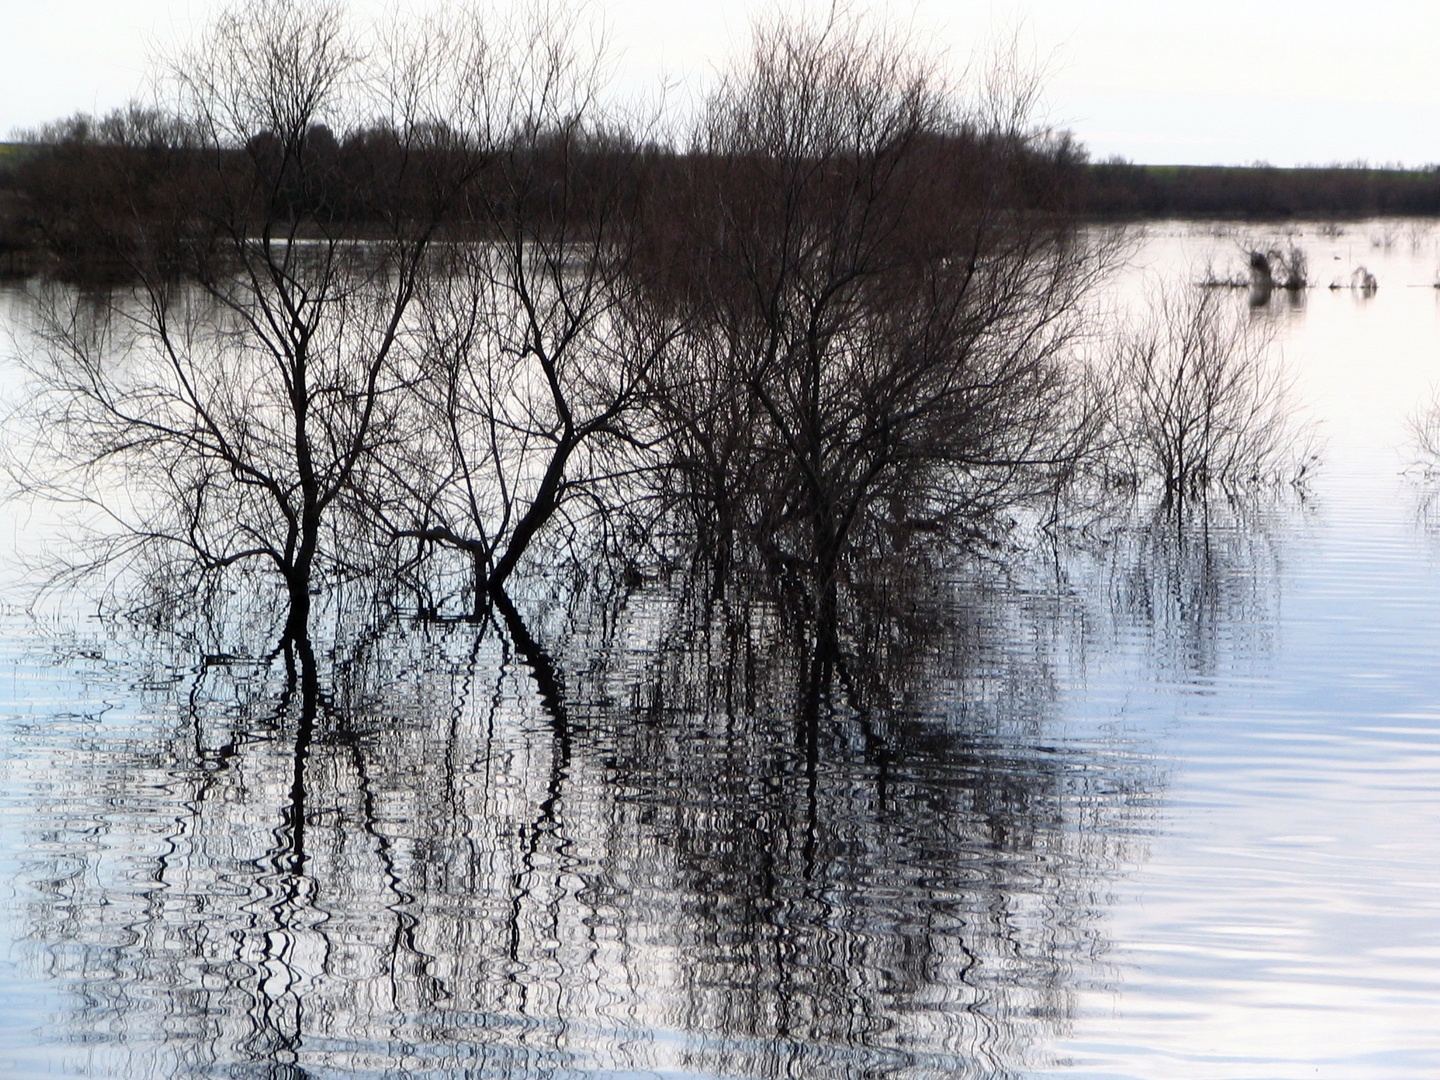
{"points": [[297, 579], [540, 509], [297, 621]]}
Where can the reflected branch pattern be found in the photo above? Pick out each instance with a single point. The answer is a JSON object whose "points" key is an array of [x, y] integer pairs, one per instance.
{"points": [[681, 839], [1201, 581]]}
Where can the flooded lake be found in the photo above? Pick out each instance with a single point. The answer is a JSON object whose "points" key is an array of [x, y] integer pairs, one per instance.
{"points": [[1161, 803]]}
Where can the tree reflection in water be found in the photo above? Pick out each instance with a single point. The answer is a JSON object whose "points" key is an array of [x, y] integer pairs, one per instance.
{"points": [[1201, 583], [677, 842]]}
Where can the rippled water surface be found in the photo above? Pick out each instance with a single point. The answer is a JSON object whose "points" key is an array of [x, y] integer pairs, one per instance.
{"points": [[1165, 807]]}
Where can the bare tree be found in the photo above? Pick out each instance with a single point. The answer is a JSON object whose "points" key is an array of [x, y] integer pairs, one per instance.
{"points": [[1200, 403], [536, 339], [421, 298], [878, 285], [237, 398]]}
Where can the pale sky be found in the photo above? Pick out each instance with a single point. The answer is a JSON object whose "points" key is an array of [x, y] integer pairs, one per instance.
{"points": [[1223, 81]]}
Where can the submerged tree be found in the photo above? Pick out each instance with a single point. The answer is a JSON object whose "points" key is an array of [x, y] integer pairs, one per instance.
{"points": [[536, 340], [417, 306], [237, 384], [1199, 402], [877, 286]]}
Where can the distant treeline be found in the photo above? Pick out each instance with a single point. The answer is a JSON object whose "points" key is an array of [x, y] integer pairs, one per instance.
{"points": [[91, 199], [12, 259], [61, 201], [1122, 189]]}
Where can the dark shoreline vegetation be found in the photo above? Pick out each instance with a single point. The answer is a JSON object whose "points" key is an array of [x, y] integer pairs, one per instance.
{"points": [[39, 178], [419, 323], [1258, 192]]}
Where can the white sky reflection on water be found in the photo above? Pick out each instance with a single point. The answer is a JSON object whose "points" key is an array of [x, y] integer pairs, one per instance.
{"points": [[1286, 923]]}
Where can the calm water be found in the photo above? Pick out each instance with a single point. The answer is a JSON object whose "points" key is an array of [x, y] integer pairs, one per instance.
{"points": [[1167, 807]]}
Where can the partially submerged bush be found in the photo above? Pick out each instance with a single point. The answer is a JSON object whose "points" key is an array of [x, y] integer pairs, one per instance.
{"points": [[1361, 280], [1424, 444], [878, 284], [1265, 270], [1280, 268], [1200, 402]]}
